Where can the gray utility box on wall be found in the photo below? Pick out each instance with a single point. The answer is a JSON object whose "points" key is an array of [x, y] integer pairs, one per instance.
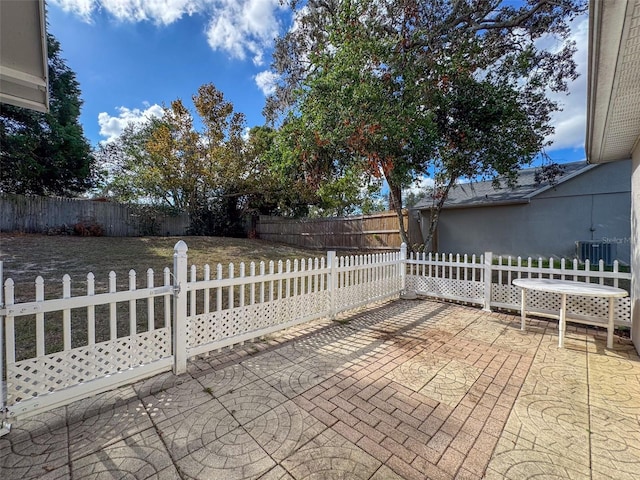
{"points": [[596, 251]]}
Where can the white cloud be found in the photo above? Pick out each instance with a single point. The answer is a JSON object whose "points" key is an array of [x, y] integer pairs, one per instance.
{"points": [[112, 126], [81, 8], [570, 124], [266, 81], [240, 28], [157, 11], [421, 185]]}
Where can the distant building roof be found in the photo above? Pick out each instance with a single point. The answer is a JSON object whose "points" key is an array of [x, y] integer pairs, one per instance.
{"points": [[484, 193]]}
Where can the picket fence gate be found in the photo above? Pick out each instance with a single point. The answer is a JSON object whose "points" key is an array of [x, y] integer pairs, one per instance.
{"points": [[194, 312], [195, 316]]}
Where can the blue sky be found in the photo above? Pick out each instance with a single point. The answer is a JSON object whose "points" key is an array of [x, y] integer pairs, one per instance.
{"points": [[131, 56]]}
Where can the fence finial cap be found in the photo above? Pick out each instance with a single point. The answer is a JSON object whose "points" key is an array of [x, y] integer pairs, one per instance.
{"points": [[181, 247]]}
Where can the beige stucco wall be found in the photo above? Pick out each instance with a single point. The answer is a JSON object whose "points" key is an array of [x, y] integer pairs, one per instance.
{"points": [[635, 246]]}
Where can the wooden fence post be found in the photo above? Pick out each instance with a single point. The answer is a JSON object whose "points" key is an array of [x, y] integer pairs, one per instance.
{"points": [[180, 270], [332, 283], [488, 275]]}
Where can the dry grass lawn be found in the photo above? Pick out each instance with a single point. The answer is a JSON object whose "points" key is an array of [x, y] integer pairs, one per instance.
{"points": [[27, 256]]}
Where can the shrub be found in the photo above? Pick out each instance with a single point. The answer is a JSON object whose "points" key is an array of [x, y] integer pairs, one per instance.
{"points": [[88, 228]]}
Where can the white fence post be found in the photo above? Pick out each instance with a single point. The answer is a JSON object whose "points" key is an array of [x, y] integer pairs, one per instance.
{"points": [[4, 426], [332, 283], [403, 268], [180, 307], [488, 275]]}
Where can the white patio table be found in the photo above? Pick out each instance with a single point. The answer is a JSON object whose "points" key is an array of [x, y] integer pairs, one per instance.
{"points": [[564, 288]]}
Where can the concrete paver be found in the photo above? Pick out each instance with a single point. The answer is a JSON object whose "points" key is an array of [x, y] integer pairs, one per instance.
{"points": [[407, 390]]}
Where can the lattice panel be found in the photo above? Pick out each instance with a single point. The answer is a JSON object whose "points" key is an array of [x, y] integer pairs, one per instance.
{"points": [[150, 346], [357, 294], [346, 296], [511, 295], [507, 294], [447, 288], [37, 376], [592, 307], [215, 326], [599, 308]]}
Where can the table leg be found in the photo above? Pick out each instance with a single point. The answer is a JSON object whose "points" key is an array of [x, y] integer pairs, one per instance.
{"points": [[563, 320], [610, 324], [523, 310]]}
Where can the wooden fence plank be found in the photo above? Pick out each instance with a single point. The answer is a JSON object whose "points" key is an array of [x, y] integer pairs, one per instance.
{"points": [[378, 231], [33, 214]]}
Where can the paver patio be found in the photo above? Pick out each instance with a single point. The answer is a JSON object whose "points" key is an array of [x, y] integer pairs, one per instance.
{"points": [[410, 389]]}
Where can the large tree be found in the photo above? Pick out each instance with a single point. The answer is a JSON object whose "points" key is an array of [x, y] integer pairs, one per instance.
{"points": [[156, 162], [216, 173], [305, 186], [405, 88], [47, 153], [277, 184]]}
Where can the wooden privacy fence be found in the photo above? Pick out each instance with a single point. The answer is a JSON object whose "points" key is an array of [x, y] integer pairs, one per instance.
{"points": [[362, 232], [34, 214]]}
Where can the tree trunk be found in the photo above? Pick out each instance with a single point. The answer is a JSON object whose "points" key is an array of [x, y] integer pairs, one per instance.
{"points": [[395, 200], [435, 211]]}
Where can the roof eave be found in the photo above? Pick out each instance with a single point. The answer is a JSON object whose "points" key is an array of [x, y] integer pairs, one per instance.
{"points": [[519, 201], [24, 77], [609, 24], [562, 179]]}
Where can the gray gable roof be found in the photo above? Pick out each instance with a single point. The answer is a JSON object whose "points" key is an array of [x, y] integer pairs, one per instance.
{"points": [[484, 193]]}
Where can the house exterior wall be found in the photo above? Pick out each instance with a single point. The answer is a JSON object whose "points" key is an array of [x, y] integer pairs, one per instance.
{"points": [[604, 178], [576, 210], [635, 247]]}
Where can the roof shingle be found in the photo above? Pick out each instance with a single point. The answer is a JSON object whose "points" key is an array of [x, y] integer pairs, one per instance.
{"points": [[484, 193]]}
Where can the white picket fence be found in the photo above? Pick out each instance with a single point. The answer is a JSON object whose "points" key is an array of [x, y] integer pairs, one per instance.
{"points": [[486, 281], [46, 380], [223, 311], [55, 351], [196, 316]]}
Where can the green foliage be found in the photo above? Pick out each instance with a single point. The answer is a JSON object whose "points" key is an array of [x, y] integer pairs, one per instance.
{"points": [[218, 216], [216, 175], [299, 187], [349, 194], [278, 181], [47, 153], [359, 118], [402, 89], [166, 162], [411, 198]]}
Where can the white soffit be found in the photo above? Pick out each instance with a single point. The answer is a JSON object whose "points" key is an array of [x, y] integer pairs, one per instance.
{"points": [[23, 54], [613, 116]]}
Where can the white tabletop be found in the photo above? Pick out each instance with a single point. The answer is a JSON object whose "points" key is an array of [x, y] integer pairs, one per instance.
{"points": [[569, 287]]}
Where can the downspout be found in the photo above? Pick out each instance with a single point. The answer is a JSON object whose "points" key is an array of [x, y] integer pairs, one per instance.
{"points": [[591, 227]]}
